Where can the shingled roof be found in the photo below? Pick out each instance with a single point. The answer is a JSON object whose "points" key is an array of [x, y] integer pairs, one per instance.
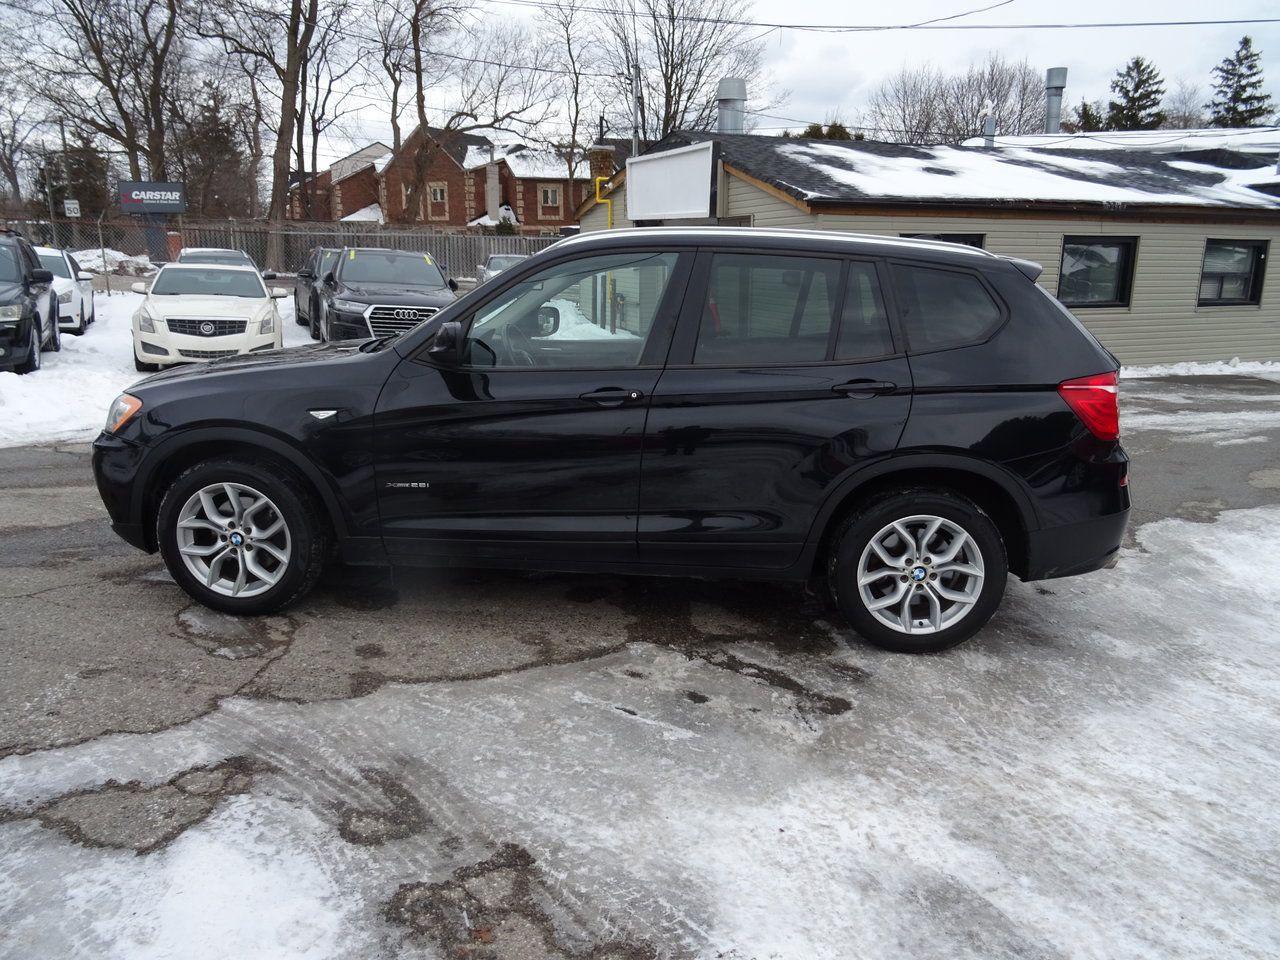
{"points": [[835, 172]]}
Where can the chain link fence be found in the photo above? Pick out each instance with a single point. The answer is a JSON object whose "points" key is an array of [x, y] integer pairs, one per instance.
{"points": [[131, 247]]}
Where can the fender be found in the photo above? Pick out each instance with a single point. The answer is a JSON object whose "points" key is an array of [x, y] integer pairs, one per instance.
{"points": [[167, 447], [923, 460]]}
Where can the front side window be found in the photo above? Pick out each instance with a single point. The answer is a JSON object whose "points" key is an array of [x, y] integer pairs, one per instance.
{"points": [[10, 270], [763, 310], [943, 308], [390, 266], [207, 282], [594, 313], [1232, 272], [54, 263], [1097, 271]]}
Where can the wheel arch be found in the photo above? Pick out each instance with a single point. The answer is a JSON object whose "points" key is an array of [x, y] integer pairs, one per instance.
{"points": [[997, 492], [190, 447]]}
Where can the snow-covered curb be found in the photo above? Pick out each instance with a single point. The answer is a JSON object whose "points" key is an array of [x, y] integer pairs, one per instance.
{"points": [[1215, 368]]}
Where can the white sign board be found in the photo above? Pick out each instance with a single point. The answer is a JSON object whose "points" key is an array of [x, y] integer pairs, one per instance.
{"points": [[72, 209], [672, 185]]}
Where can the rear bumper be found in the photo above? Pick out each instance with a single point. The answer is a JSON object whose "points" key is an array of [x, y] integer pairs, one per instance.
{"points": [[1075, 548]]}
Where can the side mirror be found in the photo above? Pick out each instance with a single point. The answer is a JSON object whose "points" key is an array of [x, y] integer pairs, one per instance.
{"points": [[84, 275], [548, 321], [452, 284], [446, 348], [139, 287], [269, 275], [279, 293], [41, 276], [330, 280], [306, 274]]}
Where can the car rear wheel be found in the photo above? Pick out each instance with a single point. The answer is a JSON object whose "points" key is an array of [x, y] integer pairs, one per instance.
{"points": [[33, 361], [918, 570], [242, 536]]}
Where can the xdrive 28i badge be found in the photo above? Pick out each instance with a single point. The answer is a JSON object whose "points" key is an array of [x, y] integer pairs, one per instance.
{"points": [[407, 484]]}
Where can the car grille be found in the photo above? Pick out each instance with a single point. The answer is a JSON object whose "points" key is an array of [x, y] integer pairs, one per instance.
{"points": [[385, 320], [206, 327], [207, 354]]}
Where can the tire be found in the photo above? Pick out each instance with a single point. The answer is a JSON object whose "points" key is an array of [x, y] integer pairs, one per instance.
{"points": [[973, 578], [55, 336], [144, 367], [312, 324], [298, 318], [82, 327], [304, 542], [33, 361]]}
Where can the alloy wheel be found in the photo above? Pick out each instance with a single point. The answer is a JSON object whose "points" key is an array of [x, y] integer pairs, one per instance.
{"points": [[921, 574], [233, 539]]}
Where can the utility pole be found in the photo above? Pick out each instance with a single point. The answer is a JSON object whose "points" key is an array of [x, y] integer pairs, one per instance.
{"points": [[635, 107]]}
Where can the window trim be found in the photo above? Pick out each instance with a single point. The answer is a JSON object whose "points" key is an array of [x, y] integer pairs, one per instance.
{"points": [[900, 320], [1128, 276], [1257, 274]]}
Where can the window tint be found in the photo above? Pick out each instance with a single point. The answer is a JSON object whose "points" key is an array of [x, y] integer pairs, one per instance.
{"points": [[596, 312], [207, 282], [943, 308], [390, 266], [1232, 271], [1096, 271], [10, 270], [767, 310], [864, 323]]}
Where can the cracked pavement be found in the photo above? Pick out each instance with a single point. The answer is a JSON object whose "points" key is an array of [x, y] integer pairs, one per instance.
{"points": [[482, 764]]}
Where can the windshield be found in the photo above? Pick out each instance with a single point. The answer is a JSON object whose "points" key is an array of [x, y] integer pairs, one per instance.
{"points": [[230, 257], [503, 263], [390, 266], [9, 270], [55, 264], [212, 282]]}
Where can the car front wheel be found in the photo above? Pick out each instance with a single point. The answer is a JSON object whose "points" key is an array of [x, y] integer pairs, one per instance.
{"points": [[243, 536], [918, 571], [33, 361], [55, 335]]}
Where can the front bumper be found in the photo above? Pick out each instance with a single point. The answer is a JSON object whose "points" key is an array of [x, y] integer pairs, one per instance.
{"points": [[167, 348], [15, 339], [116, 464], [348, 326]]}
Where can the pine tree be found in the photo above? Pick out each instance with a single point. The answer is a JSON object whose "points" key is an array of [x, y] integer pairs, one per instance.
{"points": [[1138, 90], [1086, 118], [1238, 100]]}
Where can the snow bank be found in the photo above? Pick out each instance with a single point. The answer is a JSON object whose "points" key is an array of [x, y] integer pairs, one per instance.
{"points": [[116, 262], [1216, 368], [574, 326], [370, 214]]}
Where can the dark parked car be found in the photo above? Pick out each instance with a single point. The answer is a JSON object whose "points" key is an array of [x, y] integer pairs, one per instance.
{"points": [[28, 306], [305, 293], [372, 292], [907, 420]]}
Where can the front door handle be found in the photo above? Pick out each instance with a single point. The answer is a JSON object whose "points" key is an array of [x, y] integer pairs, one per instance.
{"points": [[611, 396], [865, 388]]}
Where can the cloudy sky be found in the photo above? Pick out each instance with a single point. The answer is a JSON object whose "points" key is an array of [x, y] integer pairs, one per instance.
{"points": [[826, 75]]}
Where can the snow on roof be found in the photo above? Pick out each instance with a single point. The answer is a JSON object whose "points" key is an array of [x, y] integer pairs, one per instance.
{"points": [[1244, 139], [380, 163], [826, 171], [524, 161], [370, 214], [340, 169], [505, 215]]}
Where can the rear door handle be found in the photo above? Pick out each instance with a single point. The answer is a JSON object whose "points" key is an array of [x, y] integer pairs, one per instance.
{"points": [[865, 388], [611, 396]]}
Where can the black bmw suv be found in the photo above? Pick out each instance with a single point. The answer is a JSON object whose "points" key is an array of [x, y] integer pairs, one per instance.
{"points": [[28, 306], [374, 292], [908, 421]]}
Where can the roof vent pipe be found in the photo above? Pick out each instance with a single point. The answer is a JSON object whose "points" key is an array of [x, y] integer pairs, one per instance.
{"points": [[988, 124], [731, 101], [1055, 81]]}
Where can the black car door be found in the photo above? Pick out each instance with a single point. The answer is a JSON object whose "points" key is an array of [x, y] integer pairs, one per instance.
{"points": [[530, 447], [785, 372]]}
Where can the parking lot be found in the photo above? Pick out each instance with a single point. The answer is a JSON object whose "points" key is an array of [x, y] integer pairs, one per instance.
{"points": [[468, 763]]}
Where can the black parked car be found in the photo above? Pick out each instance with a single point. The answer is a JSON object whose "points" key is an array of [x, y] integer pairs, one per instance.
{"points": [[372, 292], [907, 419], [28, 306], [305, 293]]}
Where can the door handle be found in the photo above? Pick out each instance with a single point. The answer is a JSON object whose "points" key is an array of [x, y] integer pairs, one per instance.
{"points": [[611, 396], [865, 388]]}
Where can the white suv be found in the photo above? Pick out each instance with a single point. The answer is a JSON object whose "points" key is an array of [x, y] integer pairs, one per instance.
{"points": [[196, 313]]}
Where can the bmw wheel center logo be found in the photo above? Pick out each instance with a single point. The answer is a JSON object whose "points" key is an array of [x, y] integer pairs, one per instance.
{"points": [[236, 539], [919, 573]]}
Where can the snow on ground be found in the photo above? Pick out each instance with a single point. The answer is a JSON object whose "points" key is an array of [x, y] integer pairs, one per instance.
{"points": [[67, 399], [1270, 369], [1096, 777], [575, 326], [116, 262]]}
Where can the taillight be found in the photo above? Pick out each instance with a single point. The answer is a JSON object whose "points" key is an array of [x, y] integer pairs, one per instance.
{"points": [[1096, 402]]}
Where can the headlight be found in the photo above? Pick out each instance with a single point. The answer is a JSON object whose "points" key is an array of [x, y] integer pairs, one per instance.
{"points": [[269, 321], [350, 306], [12, 311], [146, 322], [123, 409], [64, 297]]}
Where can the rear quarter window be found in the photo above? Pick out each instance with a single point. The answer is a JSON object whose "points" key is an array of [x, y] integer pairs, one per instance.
{"points": [[943, 308]]}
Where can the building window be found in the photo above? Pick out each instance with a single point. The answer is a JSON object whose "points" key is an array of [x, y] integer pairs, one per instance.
{"points": [[1097, 271], [437, 193], [550, 196], [1232, 272], [968, 239]]}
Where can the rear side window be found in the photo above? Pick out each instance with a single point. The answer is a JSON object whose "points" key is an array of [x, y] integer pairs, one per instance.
{"points": [[943, 308], [864, 323], [767, 310]]}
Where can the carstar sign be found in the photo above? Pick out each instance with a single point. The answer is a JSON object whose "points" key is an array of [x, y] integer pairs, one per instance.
{"points": [[143, 197]]}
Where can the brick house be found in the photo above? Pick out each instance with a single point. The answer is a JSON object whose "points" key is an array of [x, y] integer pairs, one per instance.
{"points": [[348, 186]]}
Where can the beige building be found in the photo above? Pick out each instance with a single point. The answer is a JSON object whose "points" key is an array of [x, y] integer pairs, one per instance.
{"points": [[1164, 256]]}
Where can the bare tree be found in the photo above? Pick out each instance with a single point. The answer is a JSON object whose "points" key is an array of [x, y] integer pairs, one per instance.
{"points": [[1014, 92], [907, 107], [19, 119], [389, 59], [1184, 107], [325, 90], [569, 32], [683, 48]]}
